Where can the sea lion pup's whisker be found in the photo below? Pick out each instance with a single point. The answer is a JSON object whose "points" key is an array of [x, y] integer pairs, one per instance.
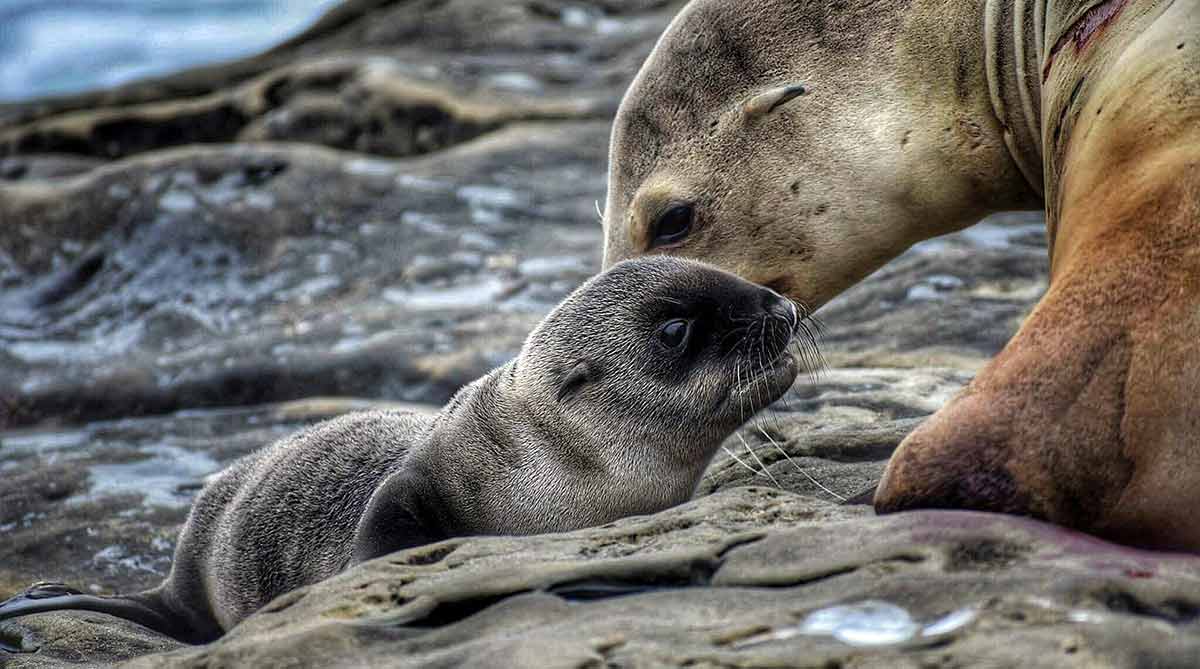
{"points": [[733, 350], [739, 461], [800, 469], [808, 348], [762, 336], [668, 300], [762, 467], [811, 360], [769, 415], [798, 314], [738, 346], [738, 388], [599, 211]]}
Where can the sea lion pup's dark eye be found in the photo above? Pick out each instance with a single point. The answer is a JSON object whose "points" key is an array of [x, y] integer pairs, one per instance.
{"points": [[674, 333], [673, 225]]}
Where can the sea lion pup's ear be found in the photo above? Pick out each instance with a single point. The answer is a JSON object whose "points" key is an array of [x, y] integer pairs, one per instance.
{"points": [[575, 379], [768, 101], [401, 514]]}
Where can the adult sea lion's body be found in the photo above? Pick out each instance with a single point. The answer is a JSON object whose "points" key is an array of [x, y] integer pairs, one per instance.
{"points": [[920, 117], [614, 407]]}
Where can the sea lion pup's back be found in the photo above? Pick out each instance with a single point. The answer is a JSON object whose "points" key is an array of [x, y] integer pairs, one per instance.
{"points": [[282, 517], [272, 521], [614, 407]]}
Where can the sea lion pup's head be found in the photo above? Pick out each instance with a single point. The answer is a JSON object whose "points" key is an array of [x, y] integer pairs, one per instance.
{"points": [[614, 407], [801, 145], [631, 384], [668, 354]]}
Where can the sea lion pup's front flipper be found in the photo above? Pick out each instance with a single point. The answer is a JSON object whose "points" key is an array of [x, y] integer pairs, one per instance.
{"points": [[403, 513], [146, 609]]}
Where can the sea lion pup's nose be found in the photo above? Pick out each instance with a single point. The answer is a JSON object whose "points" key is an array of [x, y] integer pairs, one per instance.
{"points": [[776, 305]]}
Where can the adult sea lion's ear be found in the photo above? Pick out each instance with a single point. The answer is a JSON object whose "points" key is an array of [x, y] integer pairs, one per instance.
{"points": [[575, 379], [400, 515], [768, 101]]}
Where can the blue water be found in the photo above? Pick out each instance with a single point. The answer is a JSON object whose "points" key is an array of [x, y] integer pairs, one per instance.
{"points": [[63, 46]]}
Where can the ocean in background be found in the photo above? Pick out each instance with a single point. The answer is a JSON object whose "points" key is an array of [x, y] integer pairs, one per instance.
{"points": [[50, 47]]}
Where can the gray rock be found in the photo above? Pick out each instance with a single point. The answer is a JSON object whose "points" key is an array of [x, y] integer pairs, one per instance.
{"points": [[77, 639], [743, 577], [238, 274]]}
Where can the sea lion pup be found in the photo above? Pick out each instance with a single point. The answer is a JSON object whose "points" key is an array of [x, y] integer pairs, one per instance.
{"points": [[614, 407], [802, 144]]}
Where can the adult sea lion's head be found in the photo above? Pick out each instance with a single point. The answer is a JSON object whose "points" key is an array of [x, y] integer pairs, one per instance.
{"points": [[801, 145]]}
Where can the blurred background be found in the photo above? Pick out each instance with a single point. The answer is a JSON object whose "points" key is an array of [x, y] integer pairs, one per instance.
{"points": [[311, 207], [51, 47]]}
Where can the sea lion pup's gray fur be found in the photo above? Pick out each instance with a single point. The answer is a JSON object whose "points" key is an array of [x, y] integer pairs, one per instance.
{"points": [[614, 407]]}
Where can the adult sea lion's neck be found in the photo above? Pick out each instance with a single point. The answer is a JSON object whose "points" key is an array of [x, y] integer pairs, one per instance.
{"points": [[1102, 60], [963, 78], [1014, 49]]}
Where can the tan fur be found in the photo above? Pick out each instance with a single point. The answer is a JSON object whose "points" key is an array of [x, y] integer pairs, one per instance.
{"points": [[1090, 417]]}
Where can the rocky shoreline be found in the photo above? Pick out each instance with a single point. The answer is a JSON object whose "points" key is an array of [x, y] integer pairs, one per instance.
{"points": [[376, 212]]}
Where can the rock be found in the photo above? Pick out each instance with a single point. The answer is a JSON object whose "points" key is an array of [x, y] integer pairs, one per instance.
{"points": [[743, 577], [394, 78], [953, 301], [238, 274], [77, 639], [377, 212]]}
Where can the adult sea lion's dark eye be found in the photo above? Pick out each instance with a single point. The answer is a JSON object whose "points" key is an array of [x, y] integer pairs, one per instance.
{"points": [[673, 333], [673, 225]]}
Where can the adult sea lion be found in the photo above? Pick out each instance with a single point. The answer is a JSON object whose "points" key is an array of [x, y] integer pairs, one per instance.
{"points": [[614, 407], [802, 144]]}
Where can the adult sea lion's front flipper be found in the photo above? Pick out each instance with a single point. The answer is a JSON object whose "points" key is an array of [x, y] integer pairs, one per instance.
{"points": [[1089, 416]]}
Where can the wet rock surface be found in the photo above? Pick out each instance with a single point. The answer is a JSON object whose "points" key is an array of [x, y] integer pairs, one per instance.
{"points": [[743, 577], [377, 212]]}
